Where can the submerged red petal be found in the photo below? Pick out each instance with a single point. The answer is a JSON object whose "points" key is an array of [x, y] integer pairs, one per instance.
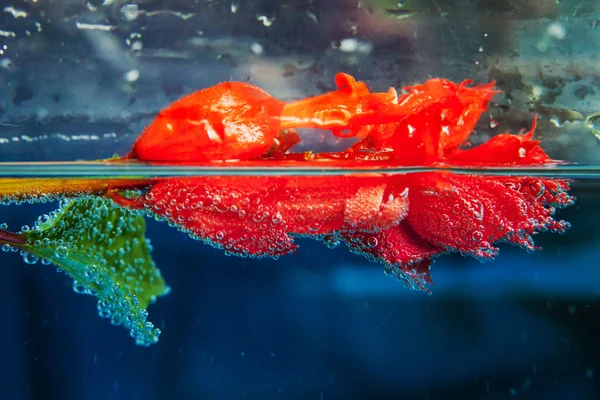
{"points": [[238, 215], [399, 248], [476, 212]]}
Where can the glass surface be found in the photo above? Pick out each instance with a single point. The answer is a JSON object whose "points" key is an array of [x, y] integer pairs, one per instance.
{"points": [[82, 80]]}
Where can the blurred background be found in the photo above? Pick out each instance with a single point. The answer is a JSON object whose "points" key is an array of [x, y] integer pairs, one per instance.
{"points": [[81, 79]]}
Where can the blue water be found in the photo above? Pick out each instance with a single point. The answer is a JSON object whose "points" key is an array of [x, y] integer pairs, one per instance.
{"points": [[81, 81], [319, 324]]}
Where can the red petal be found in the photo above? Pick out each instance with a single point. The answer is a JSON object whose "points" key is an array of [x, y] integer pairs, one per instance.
{"points": [[367, 210], [479, 211], [400, 249], [504, 149], [235, 214], [231, 120]]}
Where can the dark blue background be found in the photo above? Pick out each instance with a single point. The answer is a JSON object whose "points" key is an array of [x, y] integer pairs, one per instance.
{"points": [[319, 324]]}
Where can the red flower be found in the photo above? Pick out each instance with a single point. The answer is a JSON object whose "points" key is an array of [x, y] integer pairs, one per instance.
{"points": [[402, 221]]}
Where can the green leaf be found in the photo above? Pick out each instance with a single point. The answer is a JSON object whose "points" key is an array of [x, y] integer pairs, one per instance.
{"points": [[103, 248]]}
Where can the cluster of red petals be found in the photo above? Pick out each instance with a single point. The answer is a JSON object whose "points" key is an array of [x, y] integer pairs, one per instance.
{"points": [[402, 221]]}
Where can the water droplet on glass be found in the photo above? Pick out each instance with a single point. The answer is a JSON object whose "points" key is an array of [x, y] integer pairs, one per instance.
{"points": [[266, 21], [129, 12]]}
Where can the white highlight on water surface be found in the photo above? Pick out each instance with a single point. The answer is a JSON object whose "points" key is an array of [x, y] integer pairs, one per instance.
{"points": [[94, 27]]}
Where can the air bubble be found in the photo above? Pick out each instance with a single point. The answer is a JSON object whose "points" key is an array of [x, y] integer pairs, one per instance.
{"points": [[313, 227], [79, 288], [477, 236], [331, 241], [61, 252], [277, 218], [30, 258]]}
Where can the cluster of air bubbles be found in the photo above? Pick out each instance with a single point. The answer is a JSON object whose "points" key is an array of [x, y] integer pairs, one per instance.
{"points": [[331, 241], [410, 277], [93, 229], [117, 305], [31, 196]]}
